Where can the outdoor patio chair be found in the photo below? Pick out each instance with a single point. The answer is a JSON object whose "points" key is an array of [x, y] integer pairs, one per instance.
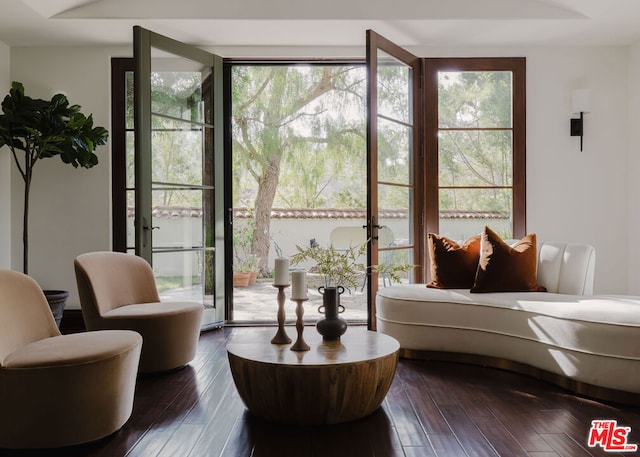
{"points": [[350, 236]]}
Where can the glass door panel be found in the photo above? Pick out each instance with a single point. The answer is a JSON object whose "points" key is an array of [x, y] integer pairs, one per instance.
{"points": [[178, 165], [393, 152]]}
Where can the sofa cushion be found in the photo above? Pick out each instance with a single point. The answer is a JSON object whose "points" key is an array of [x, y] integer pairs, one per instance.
{"points": [[453, 266], [504, 268]]}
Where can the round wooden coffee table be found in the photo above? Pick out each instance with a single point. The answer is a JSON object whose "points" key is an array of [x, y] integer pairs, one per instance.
{"points": [[333, 382]]}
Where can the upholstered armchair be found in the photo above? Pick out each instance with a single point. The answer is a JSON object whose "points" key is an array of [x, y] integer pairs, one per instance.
{"points": [[118, 291], [59, 390]]}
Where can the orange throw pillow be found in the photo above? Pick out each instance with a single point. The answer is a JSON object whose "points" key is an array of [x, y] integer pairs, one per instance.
{"points": [[453, 266], [504, 268]]}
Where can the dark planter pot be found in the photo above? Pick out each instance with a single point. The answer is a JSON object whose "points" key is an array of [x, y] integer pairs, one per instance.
{"points": [[57, 300]]}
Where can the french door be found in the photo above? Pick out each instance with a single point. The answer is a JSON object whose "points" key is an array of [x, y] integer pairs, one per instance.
{"points": [[178, 168], [393, 156]]}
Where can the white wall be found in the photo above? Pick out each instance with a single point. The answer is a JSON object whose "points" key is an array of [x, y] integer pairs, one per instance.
{"points": [[633, 169], [5, 172], [572, 195], [70, 208]]}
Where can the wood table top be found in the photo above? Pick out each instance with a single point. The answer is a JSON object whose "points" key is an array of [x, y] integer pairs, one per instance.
{"points": [[356, 345]]}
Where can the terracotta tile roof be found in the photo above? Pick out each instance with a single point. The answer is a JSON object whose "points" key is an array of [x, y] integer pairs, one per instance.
{"points": [[175, 212]]}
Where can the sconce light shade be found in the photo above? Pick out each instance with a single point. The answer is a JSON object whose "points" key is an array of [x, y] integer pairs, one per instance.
{"points": [[580, 104], [580, 101]]}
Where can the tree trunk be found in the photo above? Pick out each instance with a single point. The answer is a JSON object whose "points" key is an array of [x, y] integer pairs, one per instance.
{"points": [[279, 112], [25, 224], [264, 202]]}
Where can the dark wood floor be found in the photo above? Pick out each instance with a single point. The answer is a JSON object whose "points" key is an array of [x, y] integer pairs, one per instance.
{"points": [[432, 409]]}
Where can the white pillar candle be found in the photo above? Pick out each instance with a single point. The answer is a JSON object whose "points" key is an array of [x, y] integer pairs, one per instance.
{"points": [[281, 277], [298, 284]]}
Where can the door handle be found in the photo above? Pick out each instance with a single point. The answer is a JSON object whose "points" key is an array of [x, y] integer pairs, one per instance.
{"points": [[146, 229], [372, 229]]}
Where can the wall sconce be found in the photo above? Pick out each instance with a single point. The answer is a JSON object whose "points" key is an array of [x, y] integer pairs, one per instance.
{"points": [[580, 99]]}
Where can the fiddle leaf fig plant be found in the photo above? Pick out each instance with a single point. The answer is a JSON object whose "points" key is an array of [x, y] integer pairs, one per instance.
{"points": [[35, 129]]}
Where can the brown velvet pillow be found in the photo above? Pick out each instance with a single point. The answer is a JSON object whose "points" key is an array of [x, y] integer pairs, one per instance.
{"points": [[504, 268], [453, 266]]}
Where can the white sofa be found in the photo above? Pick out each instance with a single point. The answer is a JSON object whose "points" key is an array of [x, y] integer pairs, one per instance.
{"points": [[587, 343]]}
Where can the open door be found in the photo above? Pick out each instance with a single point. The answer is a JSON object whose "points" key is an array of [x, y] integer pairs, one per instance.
{"points": [[394, 208], [179, 170]]}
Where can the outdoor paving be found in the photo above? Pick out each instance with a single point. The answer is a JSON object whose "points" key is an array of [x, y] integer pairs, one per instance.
{"points": [[259, 303]]}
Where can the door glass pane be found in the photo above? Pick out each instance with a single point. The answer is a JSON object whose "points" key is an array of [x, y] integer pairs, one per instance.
{"points": [[177, 153], [181, 276], [394, 88], [394, 214], [131, 170], [395, 257], [395, 145], [178, 223], [475, 99], [131, 207], [177, 89], [181, 173], [475, 158], [129, 102], [464, 212]]}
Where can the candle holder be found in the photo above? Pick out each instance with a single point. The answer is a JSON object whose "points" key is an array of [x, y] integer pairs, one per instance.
{"points": [[300, 344], [281, 336]]}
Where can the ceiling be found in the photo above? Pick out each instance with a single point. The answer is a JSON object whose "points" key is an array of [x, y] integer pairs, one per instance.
{"points": [[323, 23]]}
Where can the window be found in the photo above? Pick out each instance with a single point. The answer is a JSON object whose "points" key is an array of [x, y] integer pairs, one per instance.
{"points": [[475, 131]]}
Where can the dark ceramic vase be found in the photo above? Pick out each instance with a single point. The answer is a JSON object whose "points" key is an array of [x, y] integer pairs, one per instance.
{"points": [[332, 326]]}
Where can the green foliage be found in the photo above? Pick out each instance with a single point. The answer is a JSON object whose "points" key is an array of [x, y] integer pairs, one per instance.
{"points": [[35, 129], [393, 270], [342, 268], [243, 259], [42, 129], [307, 122], [337, 267], [469, 156]]}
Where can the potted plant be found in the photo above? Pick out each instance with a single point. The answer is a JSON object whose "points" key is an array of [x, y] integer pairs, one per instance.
{"points": [[242, 257], [340, 269], [252, 263], [241, 275], [35, 129]]}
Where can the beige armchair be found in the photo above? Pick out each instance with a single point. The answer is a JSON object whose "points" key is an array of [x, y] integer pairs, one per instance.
{"points": [[59, 390], [118, 291]]}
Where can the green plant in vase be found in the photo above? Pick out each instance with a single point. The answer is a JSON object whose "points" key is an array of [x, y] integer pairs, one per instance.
{"points": [[340, 269]]}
